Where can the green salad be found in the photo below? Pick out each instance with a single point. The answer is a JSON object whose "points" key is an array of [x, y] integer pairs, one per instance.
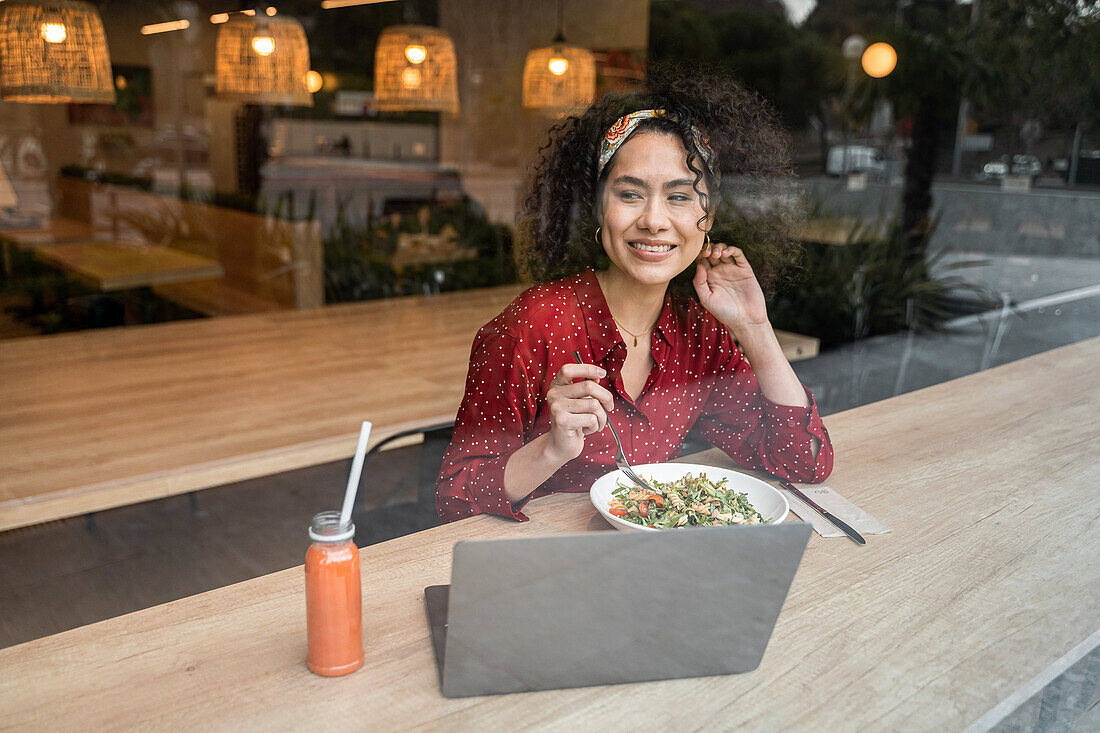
{"points": [[690, 501]]}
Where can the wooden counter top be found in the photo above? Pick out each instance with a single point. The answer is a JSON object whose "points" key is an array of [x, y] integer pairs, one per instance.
{"points": [[109, 266], [99, 419], [58, 229], [987, 579]]}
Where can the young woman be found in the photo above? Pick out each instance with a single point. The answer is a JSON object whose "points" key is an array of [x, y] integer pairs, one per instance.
{"points": [[624, 198]]}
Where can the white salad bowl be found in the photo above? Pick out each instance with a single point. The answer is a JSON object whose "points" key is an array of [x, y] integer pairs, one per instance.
{"points": [[765, 498]]}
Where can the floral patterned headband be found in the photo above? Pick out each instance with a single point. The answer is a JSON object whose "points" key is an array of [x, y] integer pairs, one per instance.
{"points": [[625, 126]]}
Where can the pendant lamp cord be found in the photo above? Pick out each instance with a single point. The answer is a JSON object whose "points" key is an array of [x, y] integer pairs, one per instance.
{"points": [[411, 12], [560, 38]]}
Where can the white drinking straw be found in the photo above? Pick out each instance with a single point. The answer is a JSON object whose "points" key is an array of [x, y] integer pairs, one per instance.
{"points": [[356, 473]]}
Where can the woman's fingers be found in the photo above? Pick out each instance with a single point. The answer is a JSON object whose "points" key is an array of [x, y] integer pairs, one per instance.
{"points": [[717, 253], [593, 390], [563, 404], [700, 278], [590, 406], [722, 254], [582, 406], [579, 418], [586, 415], [570, 371], [712, 253]]}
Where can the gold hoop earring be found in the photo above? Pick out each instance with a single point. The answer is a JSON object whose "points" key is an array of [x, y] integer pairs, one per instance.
{"points": [[706, 239], [596, 236]]}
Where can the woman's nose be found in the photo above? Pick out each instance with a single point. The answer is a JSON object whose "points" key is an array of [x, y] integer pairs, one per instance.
{"points": [[653, 218]]}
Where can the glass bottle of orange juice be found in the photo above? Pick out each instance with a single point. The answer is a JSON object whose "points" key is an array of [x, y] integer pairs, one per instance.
{"points": [[334, 610]]}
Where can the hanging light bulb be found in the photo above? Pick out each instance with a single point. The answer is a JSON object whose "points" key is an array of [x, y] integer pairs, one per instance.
{"points": [[53, 32], [54, 52], [263, 45], [414, 69], [559, 78], [314, 81], [262, 60]]}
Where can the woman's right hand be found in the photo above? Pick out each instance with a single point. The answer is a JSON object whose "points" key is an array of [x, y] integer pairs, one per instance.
{"points": [[576, 409]]}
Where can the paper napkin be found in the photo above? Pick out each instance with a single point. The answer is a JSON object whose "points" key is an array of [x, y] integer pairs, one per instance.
{"points": [[836, 505]]}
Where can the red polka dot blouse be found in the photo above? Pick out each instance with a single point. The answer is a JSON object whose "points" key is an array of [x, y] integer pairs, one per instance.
{"points": [[700, 380]]}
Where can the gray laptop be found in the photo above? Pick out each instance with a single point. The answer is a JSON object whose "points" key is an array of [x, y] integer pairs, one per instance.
{"points": [[609, 607]]}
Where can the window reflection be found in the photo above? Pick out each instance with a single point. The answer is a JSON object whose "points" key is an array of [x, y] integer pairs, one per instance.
{"points": [[227, 204]]}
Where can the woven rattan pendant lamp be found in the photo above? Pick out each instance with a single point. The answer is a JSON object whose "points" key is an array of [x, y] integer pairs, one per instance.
{"points": [[415, 69], [53, 52], [559, 78], [262, 60]]}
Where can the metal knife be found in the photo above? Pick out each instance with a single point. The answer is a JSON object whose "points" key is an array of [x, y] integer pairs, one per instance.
{"points": [[855, 536]]}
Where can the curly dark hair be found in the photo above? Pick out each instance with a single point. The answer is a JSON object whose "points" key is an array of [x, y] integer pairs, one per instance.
{"points": [[751, 149]]}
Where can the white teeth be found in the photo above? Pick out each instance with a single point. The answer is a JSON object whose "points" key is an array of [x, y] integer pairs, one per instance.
{"points": [[652, 247]]}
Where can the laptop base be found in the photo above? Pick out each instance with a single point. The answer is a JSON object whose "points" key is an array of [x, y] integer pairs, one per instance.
{"points": [[435, 600]]}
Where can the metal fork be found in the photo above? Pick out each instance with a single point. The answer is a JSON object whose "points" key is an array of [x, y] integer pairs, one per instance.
{"points": [[620, 457]]}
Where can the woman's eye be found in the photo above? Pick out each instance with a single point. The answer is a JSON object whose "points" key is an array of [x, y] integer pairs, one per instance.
{"points": [[629, 196], [681, 197]]}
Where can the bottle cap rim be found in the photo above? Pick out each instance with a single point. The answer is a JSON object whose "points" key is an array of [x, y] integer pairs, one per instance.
{"points": [[326, 527]]}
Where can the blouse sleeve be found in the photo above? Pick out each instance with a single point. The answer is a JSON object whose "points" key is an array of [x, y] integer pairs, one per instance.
{"points": [[760, 434], [498, 410]]}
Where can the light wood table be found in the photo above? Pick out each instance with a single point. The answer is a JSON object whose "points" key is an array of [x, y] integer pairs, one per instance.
{"points": [[988, 578], [58, 229], [837, 232], [100, 419], [54, 230], [108, 266], [407, 257]]}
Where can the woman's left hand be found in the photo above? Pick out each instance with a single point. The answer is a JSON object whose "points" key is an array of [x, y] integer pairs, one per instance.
{"points": [[728, 288]]}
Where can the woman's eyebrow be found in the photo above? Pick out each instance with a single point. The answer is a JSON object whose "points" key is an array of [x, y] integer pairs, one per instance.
{"points": [[633, 181]]}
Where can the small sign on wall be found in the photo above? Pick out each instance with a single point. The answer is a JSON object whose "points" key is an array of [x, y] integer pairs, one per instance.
{"points": [[354, 104], [977, 143]]}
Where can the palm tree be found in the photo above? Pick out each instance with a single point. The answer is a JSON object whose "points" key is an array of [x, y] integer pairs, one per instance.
{"points": [[1019, 60], [1047, 57], [936, 65]]}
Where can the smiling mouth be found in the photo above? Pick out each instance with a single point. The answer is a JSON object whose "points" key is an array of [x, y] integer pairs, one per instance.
{"points": [[651, 247]]}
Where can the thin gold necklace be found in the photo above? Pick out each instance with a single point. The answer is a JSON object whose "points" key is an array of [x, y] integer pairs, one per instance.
{"points": [[620, 325], [635, 335]]}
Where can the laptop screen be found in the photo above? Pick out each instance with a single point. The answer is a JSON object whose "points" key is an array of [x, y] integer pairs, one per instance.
{"points": [[609, 607]]}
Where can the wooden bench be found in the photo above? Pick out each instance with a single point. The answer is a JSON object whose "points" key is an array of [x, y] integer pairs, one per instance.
{"points": [[215, 298], [267, 263], [836, 231]]}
